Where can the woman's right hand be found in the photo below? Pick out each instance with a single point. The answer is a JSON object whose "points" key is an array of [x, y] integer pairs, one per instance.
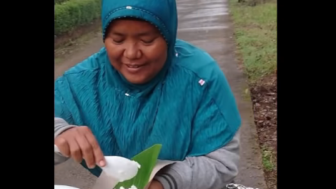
{"points": [[79, 143]]}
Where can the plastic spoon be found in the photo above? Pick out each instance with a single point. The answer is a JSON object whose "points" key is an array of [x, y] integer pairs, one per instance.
{"points": [[120, 168], [64, 187]]}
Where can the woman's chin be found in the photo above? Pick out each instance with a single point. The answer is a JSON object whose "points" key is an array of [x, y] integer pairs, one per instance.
{"points": [[136, 80]]}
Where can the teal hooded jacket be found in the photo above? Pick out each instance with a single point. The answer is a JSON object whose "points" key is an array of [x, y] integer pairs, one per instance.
{"points": [[188, 107]]}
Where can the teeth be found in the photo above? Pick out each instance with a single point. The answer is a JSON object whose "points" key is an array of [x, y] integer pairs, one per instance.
{"points": [[133, 66]]}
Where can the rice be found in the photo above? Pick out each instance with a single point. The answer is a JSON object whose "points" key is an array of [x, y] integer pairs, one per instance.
{"points": [[139, 166], [132, 187]]}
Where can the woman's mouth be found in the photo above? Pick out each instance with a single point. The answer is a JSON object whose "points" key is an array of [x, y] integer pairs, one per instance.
{"points": [[133, 69], [132, 66]]}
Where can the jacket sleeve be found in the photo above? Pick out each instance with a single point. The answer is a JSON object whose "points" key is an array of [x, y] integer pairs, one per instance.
{"points": [[212, 171], [61, 124]]}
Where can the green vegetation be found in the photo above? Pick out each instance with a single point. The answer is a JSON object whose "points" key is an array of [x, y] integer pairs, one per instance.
{"points": [[147, 159], [255, 32], [268, 159], [73, 13], [59, 1]]}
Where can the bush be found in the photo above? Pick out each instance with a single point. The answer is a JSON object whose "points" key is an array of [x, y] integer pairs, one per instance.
{"points": [[59, 1], [73, 13]]}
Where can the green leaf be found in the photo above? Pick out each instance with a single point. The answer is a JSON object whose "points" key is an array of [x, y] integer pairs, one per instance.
{"points": [[147, 159]]}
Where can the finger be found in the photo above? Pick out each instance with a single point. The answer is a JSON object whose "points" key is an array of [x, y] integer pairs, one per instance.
{"points": [[86, 150], [98, 154], [63, 146], [75, 150]]}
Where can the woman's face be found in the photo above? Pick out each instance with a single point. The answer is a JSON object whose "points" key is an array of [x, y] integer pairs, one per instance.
{"points": [[136, 49]]}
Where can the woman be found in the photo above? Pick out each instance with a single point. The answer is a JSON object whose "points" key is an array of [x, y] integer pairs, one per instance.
{"points": [[145, 87]]}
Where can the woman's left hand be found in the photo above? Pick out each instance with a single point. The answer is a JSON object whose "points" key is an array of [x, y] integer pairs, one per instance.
{"points": [[155, 185]]}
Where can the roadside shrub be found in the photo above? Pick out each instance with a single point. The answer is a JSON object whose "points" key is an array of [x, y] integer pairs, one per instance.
{"points": [[73, 13], [59, 1]]}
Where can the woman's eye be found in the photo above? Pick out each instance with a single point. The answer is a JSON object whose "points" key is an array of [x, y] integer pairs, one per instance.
{"points": [[117, 40], [148, 41]]}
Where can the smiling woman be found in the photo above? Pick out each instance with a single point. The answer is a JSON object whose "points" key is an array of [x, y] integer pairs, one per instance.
{"points": [[146, 87], [136, 49]]}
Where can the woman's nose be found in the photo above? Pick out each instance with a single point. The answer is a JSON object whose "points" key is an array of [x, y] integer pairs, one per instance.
{"points": [[132, 52]]}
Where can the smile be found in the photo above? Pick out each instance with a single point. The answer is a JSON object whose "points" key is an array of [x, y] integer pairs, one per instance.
{"points": [[133, 66], [134, 69]]}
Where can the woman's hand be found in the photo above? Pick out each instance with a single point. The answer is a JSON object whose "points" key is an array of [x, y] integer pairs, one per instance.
{"points": [[155, 185], [79, 143]]}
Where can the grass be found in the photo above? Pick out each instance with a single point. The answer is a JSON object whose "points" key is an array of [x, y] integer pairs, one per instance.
{"points": [[247, 94], [255, 33], [268, 159], [57, 60]]}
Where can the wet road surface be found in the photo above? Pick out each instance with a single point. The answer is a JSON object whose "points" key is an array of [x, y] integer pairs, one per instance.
{"points": [[205, 23]]}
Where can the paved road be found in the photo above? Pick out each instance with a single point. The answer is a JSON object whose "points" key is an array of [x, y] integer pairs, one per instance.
{"points": [[205, 23]]}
